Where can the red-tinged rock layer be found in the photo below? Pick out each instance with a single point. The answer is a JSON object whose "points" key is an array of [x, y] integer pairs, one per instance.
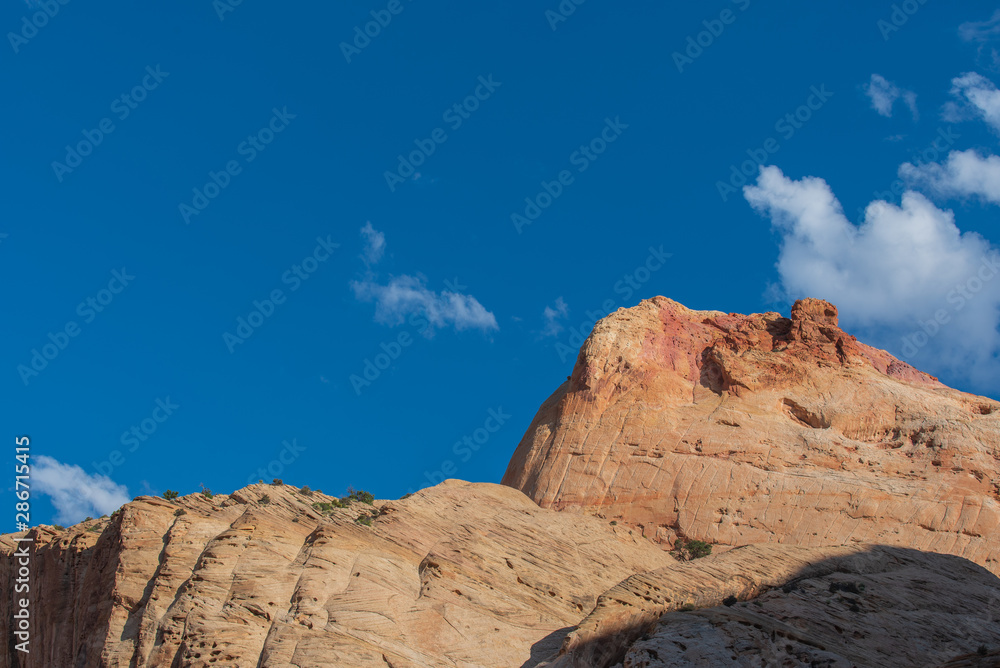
{"points": [[740, 429]]}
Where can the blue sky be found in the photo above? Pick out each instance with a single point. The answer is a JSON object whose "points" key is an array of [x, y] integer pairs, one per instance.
{"points": [[178, 164]]}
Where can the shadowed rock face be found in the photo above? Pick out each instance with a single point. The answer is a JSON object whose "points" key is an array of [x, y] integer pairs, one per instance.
{"points": [[776, 605], [740, 429]]}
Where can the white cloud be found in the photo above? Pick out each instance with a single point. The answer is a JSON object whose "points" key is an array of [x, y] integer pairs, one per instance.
{"points": [[405, 296], [981, 31], [374, 244], [884, 94], [899, 268], [977, 96], [75, 493], [553, 316], [963, 174]]}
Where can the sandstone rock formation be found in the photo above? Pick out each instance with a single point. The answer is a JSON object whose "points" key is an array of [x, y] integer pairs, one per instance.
{"points": [[472, 576], [457, 575], [743, 429], [847, 495]]}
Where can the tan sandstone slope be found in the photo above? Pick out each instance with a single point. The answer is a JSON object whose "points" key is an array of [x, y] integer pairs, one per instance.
{"points": [[457, 575], [741, 429], [466, 576]]}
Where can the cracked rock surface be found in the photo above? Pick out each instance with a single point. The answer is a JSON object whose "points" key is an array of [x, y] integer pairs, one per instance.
{"points": [[742, 429]]}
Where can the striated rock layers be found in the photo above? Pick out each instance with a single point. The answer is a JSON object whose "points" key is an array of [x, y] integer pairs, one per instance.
{"points": [[470, 576], [742, 429], [457, 575]]}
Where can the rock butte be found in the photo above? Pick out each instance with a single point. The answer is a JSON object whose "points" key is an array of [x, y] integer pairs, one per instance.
{"points": [[743, 429], [852, 500]]}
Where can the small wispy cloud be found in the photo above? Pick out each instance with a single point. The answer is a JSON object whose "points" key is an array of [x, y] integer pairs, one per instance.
{"points": [[981, 31], [963, 174], [553, 315], [75, 493], [976, 97], [883, 95], [374, 244], [404, 296]]}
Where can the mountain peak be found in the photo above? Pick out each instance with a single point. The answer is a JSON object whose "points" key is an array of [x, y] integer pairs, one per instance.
{"points": [[738, 429]]}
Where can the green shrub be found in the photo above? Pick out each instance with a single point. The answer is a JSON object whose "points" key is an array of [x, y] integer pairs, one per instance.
{"points": [[266, 499], [170, 495], [698, 549], [614, 523], [179, 512], [360, 495], [406, 496], [305, 491], [87, 519], [95, 529], [686, 550], [364, 520], [327, 508], [277, 482], [59, 527], [207, 493]]}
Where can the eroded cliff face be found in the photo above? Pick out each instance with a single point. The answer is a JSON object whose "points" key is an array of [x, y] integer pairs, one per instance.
{"points": [[471, 576], [457, 575], [741, 429]]}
